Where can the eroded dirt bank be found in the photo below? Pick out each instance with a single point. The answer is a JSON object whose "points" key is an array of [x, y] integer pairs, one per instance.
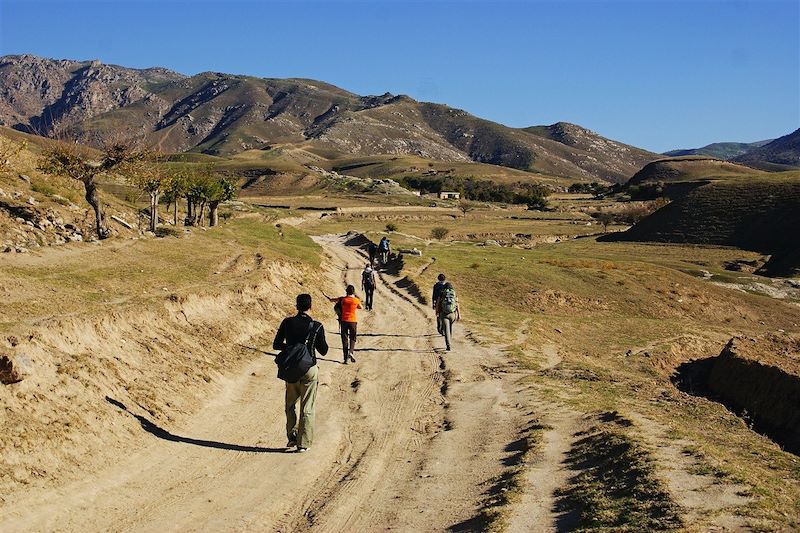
{"points": [[758, 379], [161, 362]]}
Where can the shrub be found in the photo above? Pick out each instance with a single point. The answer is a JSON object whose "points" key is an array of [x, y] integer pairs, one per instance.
{"points": [[646, 191], [391, 226], [439, 233], [42, 187]]}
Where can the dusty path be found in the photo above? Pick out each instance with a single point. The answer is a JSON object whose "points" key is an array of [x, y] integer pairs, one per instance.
{"points": [[409, 437]]}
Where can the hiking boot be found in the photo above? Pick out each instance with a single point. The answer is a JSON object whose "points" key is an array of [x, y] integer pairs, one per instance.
{"points": [[301, 449], [292, 441], [448, 347], [353, 359]]}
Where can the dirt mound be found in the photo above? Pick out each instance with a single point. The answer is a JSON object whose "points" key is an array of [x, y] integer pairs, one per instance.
{"points": [[687, 168]]}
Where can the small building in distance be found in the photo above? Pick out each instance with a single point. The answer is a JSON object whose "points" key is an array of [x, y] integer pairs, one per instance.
{"points": [[449, 195]]}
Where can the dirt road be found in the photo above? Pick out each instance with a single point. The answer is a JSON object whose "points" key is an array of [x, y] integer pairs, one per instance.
{"points": [[410, 437]]}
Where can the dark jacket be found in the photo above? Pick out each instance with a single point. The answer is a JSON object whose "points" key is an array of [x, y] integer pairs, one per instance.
{"points": [[438, 287], [295, 329]]}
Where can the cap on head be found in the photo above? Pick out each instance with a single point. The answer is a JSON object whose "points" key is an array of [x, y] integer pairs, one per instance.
{"points": [[350, 290], [441, 277], [303, 302]]}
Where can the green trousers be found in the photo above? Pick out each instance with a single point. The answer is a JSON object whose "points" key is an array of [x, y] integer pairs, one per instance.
{"points": [[304, 390]]}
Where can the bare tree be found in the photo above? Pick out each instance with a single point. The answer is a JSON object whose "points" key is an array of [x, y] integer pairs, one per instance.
{"points": [[605, 218], [465, 206], [86, 166]]}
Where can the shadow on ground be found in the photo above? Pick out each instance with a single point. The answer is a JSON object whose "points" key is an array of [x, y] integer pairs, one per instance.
{"points": [[162, 433]]}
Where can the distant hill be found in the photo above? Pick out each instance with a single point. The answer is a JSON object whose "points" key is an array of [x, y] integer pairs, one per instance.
{"points": [[759, 213], [723, 150], [223, 114], [779, 154], [688, 168]]}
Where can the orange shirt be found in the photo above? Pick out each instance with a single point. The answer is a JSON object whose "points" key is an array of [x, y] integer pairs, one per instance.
{"points": [[349, 305]]}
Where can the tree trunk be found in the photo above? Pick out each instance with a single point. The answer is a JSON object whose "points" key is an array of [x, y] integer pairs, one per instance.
{"points": [[153, 211], [201, 219], [189, 211], [175, 213], [93, 197], [213, 213]]}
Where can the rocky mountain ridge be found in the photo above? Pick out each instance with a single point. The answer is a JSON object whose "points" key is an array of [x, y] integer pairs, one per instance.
{"points": [[721, 150], [223, 114]]}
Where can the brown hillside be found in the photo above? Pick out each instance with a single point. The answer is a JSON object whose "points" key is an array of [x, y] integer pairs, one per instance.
{"points": [[223, 114], [783, 152]]}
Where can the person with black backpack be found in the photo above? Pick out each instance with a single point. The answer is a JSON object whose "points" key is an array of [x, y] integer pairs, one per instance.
{"points": [[437, 290], [368, 285], [447, 310], [298, 338]]}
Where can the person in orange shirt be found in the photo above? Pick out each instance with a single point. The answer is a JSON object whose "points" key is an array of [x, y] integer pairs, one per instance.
{"points": [[348, 321]]}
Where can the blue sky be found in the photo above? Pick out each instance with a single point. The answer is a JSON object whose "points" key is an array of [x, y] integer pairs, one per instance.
{"points": [[652, 73]]}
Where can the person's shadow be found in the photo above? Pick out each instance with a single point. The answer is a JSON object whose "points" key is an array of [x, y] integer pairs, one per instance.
{"points": [[162, 433]]}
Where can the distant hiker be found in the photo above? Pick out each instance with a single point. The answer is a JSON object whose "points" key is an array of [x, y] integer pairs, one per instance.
{"points": [[368, 285], [372, 249], [437, 290], [348, 321], [383, 250], [447, 309], [298, 338]]}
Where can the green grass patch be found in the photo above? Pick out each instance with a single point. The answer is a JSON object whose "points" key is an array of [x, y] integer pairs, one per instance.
{"points": [[616, 488]]}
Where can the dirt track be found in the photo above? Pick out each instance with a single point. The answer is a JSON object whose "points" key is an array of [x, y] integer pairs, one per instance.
{"points": [[410, 437]]}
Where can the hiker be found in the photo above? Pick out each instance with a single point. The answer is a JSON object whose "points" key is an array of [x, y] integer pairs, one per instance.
{"points": [[372, 249], [383, 249], [298, 330], [368, 285], [447, 309], [437, 289], [348, 321]]}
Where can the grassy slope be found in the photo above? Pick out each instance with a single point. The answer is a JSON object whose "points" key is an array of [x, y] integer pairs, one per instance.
{"points": [[756, 213], [125, 274], [608, 300]]}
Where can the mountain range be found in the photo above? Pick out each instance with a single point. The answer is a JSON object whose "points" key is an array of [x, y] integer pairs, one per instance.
{"points": [[722, 150], [224, 114]]}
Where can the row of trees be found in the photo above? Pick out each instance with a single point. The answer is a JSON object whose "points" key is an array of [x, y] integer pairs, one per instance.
{"points": [[150, 172], [199, 186], [534, 195]]}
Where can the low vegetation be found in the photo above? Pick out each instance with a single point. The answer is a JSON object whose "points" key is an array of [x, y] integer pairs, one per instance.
{"points": [[534, 195]]}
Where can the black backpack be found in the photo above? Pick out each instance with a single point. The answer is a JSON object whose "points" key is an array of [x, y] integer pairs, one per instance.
{"points": [[296, 359], [368, 278]]}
